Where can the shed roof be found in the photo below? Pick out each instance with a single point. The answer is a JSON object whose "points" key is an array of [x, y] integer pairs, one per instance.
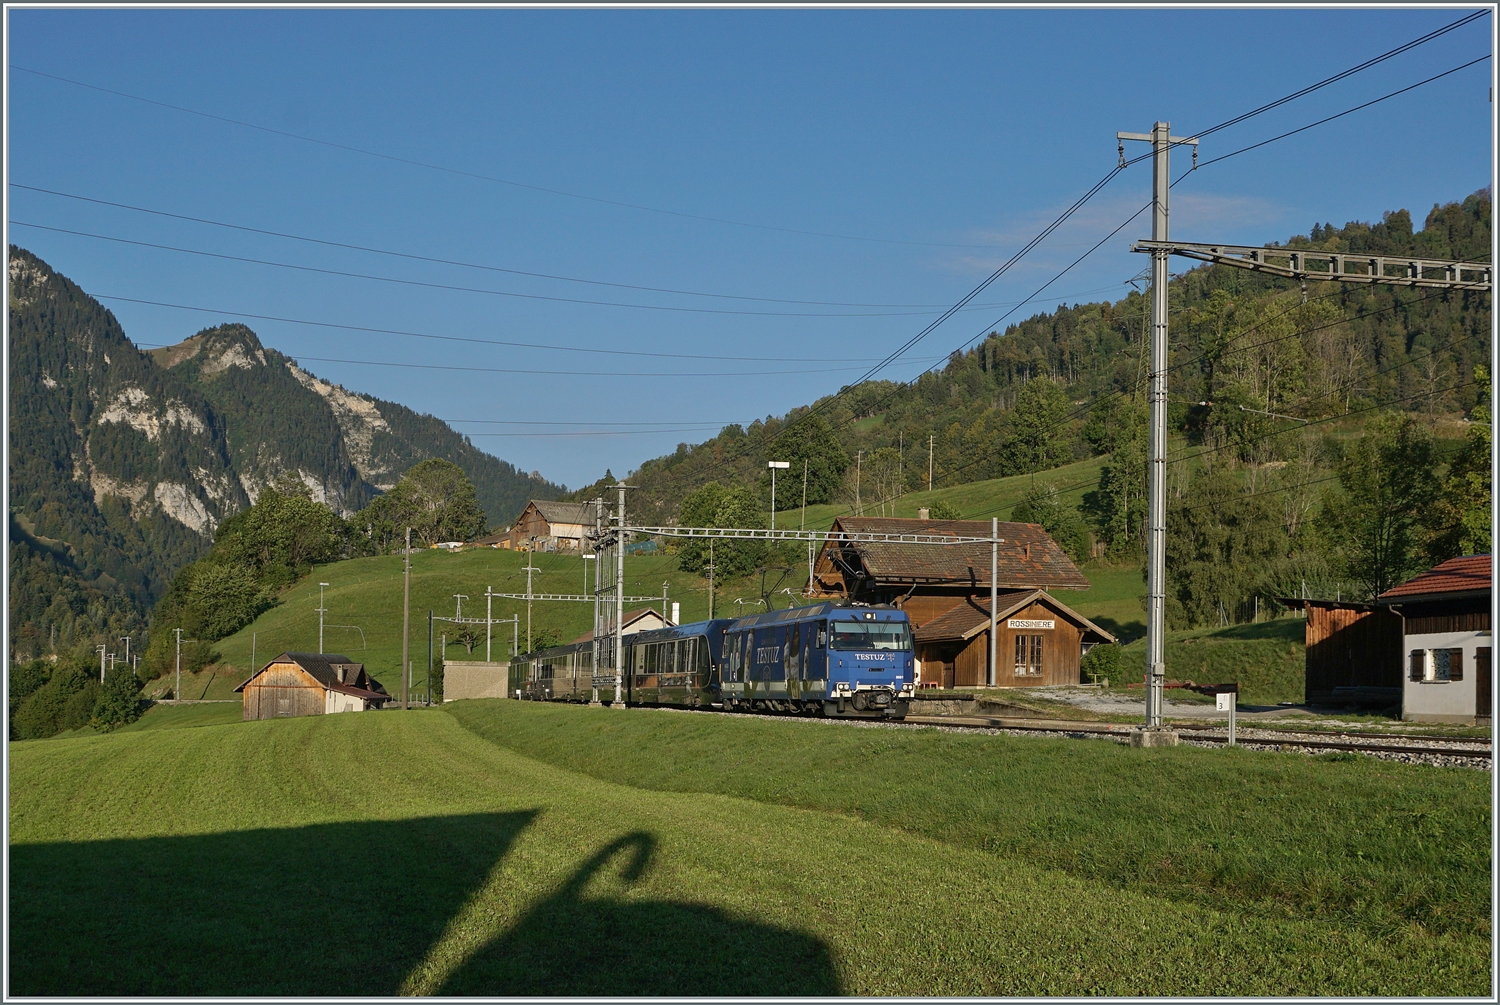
{"points": [[972, 616], [631, 617], [1465, 576], [1029, 558], [564, 512], [333, 670]]}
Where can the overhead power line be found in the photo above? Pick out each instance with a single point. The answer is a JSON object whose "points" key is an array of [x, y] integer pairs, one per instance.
{"points": [[459, 289], [556, 373], [1097, 402], [475, 265], [491, 178], [1347, 111], [455, 338], [1420, 40]]}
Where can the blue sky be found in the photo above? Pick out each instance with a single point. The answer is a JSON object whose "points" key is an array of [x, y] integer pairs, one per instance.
{"points": [[887, 158]]}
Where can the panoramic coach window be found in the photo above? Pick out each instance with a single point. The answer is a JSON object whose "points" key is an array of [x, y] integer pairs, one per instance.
{"points": [[871, 635]]}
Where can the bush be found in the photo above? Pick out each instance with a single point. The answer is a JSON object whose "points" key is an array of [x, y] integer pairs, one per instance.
{"points": [[65, 701], [119, 701], [944, 511], [78, 710], [1102, 662]]}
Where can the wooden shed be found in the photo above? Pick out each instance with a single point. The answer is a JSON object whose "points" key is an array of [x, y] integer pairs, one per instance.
{"points": [[1353, 651], [552, 526], [1039, 640], [310, 684]]}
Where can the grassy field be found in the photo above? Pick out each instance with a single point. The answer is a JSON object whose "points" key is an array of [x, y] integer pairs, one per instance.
{"points": [[497, 848]]}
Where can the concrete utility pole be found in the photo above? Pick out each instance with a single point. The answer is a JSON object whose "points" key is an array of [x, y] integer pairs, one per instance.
{"points": [[429, 657], [102, 650], [529, 570], [929, 462], [1161, 142], [126, 640], [489, 599], [804, 493], [710, 580], [322, 610], [775, 466], [598, 573], [619, 701], [859, 460], [994, 596], [177, 692], [406, 622]]}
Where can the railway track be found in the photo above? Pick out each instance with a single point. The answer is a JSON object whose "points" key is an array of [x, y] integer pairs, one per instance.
{"points": [[1432, 747], [1428, 744]]}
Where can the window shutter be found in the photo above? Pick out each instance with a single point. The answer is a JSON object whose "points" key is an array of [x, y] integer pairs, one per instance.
{"points": [[1455, 664], [1416, 664]]}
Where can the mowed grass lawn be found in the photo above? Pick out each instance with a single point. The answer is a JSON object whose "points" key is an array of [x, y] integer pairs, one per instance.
{"points": [[504, 848]]}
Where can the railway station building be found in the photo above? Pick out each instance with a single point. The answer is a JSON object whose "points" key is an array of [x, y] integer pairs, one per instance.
{"points": [[945, 591]]}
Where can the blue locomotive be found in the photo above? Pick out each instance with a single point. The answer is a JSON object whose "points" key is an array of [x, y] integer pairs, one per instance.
{"points": [[824, 659]]}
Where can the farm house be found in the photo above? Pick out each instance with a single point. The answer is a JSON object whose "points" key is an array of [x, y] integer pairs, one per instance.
{"points": [[310, 684]]}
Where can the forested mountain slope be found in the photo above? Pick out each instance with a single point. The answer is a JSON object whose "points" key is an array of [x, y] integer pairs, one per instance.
{"points": [[1068, 383], [123, 463]]}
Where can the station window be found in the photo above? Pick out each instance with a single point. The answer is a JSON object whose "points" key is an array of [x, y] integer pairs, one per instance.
{"points": [[1028, 662]]}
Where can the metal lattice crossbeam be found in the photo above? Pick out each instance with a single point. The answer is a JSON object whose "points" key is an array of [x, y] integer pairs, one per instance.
{"points": [[1302, 263], [582, 597], [842, 537]]}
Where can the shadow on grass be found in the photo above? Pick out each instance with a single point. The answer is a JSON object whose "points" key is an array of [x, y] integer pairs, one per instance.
{"points": [[351, 909], [330, 909], [577, 945]]}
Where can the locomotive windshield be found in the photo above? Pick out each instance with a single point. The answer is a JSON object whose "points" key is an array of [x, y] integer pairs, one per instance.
{"points": [[871, 635]]}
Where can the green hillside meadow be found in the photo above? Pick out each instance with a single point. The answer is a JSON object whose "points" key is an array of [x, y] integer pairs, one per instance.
{"points": [[507, 848], [366, 593]]}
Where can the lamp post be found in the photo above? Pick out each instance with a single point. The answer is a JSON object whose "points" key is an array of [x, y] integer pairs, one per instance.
{"points": [[775, 466]]}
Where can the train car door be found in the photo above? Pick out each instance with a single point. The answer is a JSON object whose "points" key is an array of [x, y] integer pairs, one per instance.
{"points": [[671, 689]]}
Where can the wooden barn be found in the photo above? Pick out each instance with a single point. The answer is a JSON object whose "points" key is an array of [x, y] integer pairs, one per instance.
{"points": [[945, 586], [310, 684], [1039, 640], [552, 526], [1353, 652]]}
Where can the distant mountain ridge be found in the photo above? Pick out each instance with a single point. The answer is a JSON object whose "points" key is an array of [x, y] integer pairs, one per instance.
{"points": [[123, 462]]}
